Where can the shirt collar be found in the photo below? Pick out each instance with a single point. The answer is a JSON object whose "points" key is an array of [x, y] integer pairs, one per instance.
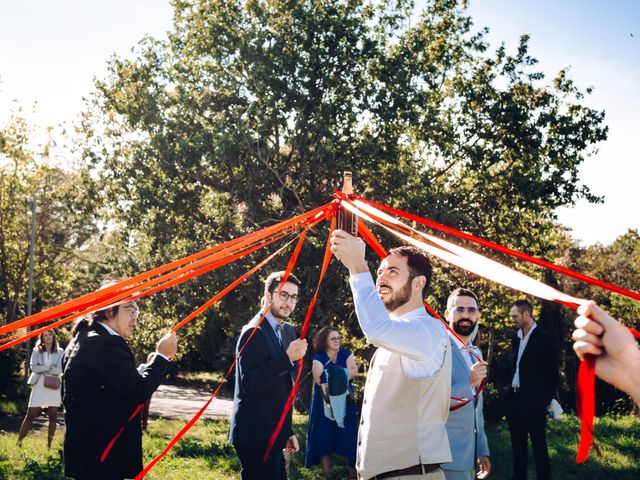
{"points": [[533, 327], [459, 344], [109, 329], [272, 321]]}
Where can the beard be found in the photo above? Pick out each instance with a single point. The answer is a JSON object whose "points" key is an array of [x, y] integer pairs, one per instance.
{"points": [[280, 312], [464, 329], [397, 299]]}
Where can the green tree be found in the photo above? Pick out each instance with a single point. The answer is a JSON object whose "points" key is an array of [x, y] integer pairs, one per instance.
{"points": [[65, 220], [249, 111]]}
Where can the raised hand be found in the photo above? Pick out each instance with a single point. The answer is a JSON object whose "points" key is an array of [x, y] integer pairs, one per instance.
{"points": [[600, 334]]}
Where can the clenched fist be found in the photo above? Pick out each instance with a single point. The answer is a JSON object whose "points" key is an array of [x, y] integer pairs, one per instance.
{"points": [[297, 349], [478, 373], [168, 345]]}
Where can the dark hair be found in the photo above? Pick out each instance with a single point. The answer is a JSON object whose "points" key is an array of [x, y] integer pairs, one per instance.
{"points": [[417, 261], [523, 306], [462, 292], [274, 279], [81, 324], [101, 315], [40, 342], [320, 340]]}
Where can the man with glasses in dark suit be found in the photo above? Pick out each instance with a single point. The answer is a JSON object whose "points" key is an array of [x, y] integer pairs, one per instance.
{"points": [[266, 352]]}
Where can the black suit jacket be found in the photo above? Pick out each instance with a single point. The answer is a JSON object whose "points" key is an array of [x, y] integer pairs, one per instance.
{"points": [[102, 388], [538, 369], [263, 383]]}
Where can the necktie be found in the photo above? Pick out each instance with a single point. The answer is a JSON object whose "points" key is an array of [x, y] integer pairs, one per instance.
{"points": [[279, 333]]}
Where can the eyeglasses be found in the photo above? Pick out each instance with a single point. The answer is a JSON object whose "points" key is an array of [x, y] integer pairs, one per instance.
{"points": [[284, 296], [133, 308], [467, 309], [334, 339]]}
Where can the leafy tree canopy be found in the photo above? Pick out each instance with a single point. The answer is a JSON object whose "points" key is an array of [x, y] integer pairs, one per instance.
{"points": [[248, 112], [66, 204]]}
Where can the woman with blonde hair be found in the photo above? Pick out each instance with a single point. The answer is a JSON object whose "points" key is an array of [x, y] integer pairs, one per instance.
{"points": [[46, 368]]}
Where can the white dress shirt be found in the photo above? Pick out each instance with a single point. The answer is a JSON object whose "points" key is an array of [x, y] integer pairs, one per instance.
{"points": [[420, 339], [523, 344]]}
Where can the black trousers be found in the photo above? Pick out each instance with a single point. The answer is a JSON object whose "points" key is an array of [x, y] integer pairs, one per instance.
{"points": [[526, 421], [254, 469]]}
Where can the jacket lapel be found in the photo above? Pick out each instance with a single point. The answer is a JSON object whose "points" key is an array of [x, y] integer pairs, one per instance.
{"points": [[458, 356], [515, 342]]}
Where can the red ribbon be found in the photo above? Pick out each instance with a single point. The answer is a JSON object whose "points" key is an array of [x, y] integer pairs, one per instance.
{"points": [[184, 429], [123, 289], [290, 265], [127, 295], [222, 254], [110, 445], [586, 405], [508, 251]]}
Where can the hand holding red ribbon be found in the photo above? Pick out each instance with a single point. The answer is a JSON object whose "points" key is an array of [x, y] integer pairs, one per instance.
{"points": [[601, 336]]}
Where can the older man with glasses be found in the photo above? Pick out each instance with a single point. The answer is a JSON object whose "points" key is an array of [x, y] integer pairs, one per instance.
{"points": [[266, 352], [102, 388]]}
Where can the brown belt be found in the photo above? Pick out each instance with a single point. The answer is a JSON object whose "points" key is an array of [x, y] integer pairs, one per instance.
{"points": [[415, 470]]}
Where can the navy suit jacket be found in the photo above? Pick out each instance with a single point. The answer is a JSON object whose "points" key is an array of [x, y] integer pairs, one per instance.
{"points": [[263, 383], [102, 388], [538, 369]]}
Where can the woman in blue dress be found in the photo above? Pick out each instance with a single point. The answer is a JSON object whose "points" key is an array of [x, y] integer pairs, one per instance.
{"points": [[340, 434]]}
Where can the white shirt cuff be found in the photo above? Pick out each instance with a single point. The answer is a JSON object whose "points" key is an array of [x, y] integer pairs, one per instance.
{"points": [[163, 356]]}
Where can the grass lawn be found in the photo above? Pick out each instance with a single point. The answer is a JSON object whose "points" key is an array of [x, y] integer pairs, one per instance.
{"points": [[204, 453]]}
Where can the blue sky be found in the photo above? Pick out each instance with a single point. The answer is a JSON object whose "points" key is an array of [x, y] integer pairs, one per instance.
{"points": [[600, 43], [50, 51]]}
